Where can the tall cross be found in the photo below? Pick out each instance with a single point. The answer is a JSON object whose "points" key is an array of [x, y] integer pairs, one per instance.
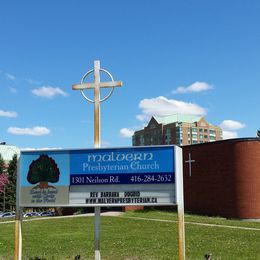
{"points": [[190, 161], [96, 86]]}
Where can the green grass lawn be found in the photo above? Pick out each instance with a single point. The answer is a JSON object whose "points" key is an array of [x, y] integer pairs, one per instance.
{"points": [[169, 215], [129, 238]]}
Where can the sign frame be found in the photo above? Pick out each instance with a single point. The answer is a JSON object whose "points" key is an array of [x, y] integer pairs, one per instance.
{"points": [[179, 201], [177, 175]]}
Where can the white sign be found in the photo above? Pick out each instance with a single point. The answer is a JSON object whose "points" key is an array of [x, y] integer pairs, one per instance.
{"points": [[100, 177]]}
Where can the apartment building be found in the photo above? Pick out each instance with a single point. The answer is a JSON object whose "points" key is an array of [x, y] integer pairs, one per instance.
{"points": [[177, 129]]}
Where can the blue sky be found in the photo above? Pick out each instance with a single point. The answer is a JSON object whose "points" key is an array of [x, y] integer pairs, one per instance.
{"points": [[200, 57]]}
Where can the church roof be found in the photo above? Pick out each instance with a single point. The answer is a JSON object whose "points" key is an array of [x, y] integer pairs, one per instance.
{"points": [[8, 151], [177, 118]]}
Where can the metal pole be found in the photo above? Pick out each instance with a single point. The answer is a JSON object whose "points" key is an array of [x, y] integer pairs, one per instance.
{"points": [[18, 219], [97, 233], [97, 145]]}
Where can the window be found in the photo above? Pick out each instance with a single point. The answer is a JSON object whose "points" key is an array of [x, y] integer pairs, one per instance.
{"points": [[168, 141], [133, 140], [212, 132], [168, 135], [141, 139], [194, 136], [178, 129], [168, 130], [194, 130], [178, 133]]}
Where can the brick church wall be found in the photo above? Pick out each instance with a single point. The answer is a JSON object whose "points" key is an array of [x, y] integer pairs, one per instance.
{"points": [[225, 178]]}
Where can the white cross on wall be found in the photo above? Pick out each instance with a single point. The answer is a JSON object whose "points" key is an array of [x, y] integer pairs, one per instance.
{"points": [[190, 161]]}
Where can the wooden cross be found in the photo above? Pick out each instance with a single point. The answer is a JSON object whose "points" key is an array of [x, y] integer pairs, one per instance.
{"points": [[190, 161], [96, 86]]}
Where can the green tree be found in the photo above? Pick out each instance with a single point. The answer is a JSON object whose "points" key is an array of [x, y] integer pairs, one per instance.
{"points": [[43, 170], [10, 188], [2, 164], [3, 181]]}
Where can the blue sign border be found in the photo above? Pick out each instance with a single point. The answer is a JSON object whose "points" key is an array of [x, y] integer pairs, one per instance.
{"points": [[131, 165]]}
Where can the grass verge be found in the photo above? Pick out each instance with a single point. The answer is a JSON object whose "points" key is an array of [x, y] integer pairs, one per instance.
{"points": [[127, 238]]}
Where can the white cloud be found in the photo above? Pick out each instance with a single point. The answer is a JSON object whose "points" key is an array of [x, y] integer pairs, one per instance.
{"points": [[142, 118], [230, 128], [13, 90], [230, 125], [10, 76], [48, 92], [126, 132], [40, 149], [33, 82], [195, 87], [35, 131], [8, 113], [229, 134], [161, 106]]}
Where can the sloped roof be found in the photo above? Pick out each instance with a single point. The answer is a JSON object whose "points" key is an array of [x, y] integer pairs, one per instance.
{"points": [[8, 151], [177, 118]]}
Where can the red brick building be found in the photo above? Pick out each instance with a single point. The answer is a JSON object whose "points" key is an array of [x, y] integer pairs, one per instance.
{"points": [[224, 179], [177, 129]]}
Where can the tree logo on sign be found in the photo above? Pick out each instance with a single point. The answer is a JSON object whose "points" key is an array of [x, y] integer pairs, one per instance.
{"points": [[42, 171]]}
